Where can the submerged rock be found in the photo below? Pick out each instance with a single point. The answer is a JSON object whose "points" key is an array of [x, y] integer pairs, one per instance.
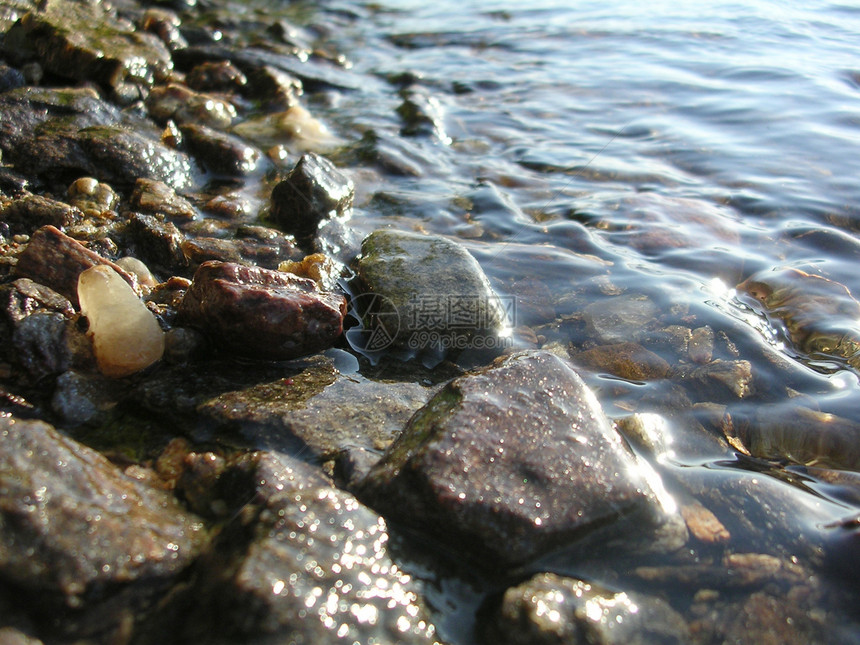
{"points": [[550, 609], [511, 462], [430, 294], [314, 191], [257, 312], [316, 569], [73, 526], [125, 334]]}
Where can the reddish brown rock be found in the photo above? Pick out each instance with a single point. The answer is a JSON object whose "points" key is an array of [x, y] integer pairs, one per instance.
{"points": [[262, 313]]}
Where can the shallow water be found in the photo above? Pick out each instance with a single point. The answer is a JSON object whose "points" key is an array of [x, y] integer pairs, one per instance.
{"points": [[596, 153]]}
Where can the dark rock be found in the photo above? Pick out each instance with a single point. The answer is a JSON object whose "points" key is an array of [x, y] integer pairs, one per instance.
{"points": [[29, 212], [67, 133], [314, 191], [722, 380], [316, 569], [88, 41], [630, 361], [219, 152], [257, 312], [314, 75], [511, 462], [432, 294], [164, 24], [41, 344], [83, 398], [250, 252], [701, 347], [10, 78], [550, 609], [157, 243], [421, 114], [156, 197], [182, 344], [277, 89], [219, 76], [56, 260], [23, 297], [184, 106], [74, 526]]}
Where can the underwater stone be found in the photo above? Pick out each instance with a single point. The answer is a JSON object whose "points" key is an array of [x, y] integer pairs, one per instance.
{"points": [[126, 336], [257, 312]]}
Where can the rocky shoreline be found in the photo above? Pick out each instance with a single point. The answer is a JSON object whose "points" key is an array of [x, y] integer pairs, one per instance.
{"points": [[196, 444]]}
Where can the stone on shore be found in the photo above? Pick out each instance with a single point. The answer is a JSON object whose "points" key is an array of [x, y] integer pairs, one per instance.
{"points": [[512, 462], [432, 295], [73, 526], [125, 334], [260, 313], [316, 568], [313, 192]]}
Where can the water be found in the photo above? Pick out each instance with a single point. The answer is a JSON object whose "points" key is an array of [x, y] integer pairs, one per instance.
{"points": [[598, 155]]}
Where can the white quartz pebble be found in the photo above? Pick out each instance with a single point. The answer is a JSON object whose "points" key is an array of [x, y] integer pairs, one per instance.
{"points": [[126, 336]]}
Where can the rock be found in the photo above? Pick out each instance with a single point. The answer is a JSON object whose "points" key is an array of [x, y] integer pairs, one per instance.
{"points": [[164, 24], [220, 76], [44, 344], [511, 462], [621, 318], [56, 261], [421, 114], [157, 198], [22, 297], [316, 569], [92, 197], [219, 152], [10, 78], [178, 103], [158, 242], [733, 379], [326, 413], [82, 398], [257, 312], [549, 609], [65, 133], [30, 212], [430, 294], [277, 89], [250, 252], [126, 336], [701, 347], [630, 361], [294, 130], [314, 191], [318, 267], [89, 41], [75, 527]]}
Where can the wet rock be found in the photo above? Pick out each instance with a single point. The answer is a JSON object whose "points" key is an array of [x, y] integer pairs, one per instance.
{"points": [[277, 89], [126, 336], [511, 462], [164, 24], [56, 260], [314, 191], [325, 412], [23, 297], [156, 197], [701, 347], [257, 312], [178, 103], [294, 126], [421, 114], [620, 319], [314, 75], [92, 197], [219, 76], [630, 361], [318, 267], [75, 527], [250, 252], [29, 212], [159, 243], [804, 436], [720, 379], [83, 398], [10, 78], [552, 609], [67, 133], [431, 294], [219, 152], [316, 569], [45, 344], [89, 41], [820, 315]]}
